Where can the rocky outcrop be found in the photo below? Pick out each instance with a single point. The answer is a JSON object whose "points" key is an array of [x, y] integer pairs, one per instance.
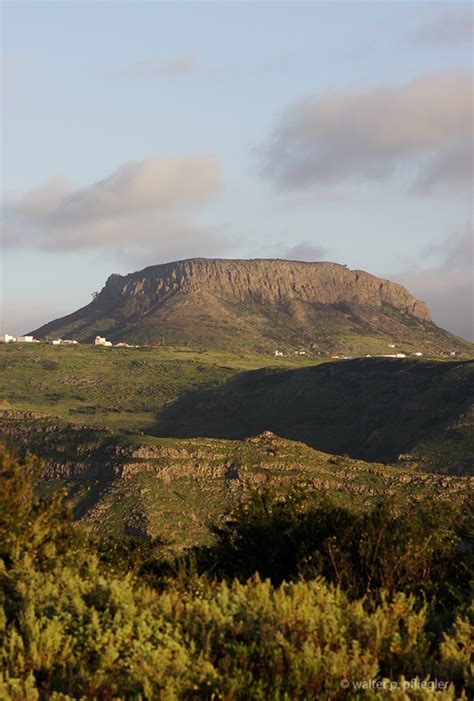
{"points": [[262, 282], [256, 305]]}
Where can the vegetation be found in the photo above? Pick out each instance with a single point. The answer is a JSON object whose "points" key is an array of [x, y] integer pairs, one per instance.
{"points": [[115, 387], [377, 409], [84, 618], [417, 409]]}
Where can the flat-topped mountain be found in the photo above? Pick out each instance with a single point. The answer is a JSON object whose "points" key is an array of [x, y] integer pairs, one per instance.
{"points": [[255, 305]]}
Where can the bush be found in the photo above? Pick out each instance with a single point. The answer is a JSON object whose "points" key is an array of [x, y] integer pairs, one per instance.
{"points": [[427, 549], [78, 619]]}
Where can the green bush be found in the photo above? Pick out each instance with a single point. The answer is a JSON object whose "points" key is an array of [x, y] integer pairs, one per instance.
{"points": [[79, 620], [425, 549]]}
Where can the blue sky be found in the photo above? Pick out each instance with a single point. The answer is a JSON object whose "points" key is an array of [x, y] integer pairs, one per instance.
{"points": [[139, 132]]}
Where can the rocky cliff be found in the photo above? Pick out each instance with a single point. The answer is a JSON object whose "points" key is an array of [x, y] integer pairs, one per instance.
{"points": [[255, 305], [262, 282]]}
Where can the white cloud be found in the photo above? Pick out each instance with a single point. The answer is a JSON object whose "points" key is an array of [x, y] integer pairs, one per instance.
{"points": [[142, 204], [423, 127]]}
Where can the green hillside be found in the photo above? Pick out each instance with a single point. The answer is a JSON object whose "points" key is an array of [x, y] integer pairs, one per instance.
{"points": [[414, 412], [124, 483]]}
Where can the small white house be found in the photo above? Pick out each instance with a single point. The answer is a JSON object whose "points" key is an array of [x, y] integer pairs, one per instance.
{"points": [[7, 338], [102, 341], [278, 354], [418, 354], [24, 339]]}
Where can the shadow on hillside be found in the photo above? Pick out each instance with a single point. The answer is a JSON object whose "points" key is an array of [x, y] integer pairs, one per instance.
{"points": [[371, 409]]}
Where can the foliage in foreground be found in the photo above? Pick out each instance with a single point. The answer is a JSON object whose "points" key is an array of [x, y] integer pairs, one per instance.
{"points": [[76, 624], [426, 548]]}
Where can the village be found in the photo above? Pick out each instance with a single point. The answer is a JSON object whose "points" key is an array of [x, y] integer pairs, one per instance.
{"points": [[99, 341], [103, 342]]}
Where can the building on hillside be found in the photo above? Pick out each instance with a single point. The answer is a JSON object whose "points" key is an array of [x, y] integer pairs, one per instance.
{"points": [[64, 342], [278, 354], [102, 341], [24, 339], [418, 354]]}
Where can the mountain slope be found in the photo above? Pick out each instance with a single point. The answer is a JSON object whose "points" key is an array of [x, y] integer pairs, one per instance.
{"points": [[256, 305], [175, 488], [418, 413]]}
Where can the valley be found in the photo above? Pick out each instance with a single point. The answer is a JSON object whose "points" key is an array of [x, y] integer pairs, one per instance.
{"points": [[166, 442]]}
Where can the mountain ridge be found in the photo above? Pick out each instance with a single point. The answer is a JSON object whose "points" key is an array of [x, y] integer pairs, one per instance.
{"points": [[254, 303]]}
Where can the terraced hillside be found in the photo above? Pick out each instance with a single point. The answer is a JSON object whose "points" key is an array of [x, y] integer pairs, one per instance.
{"points": [[162, 441], [175, 488]]}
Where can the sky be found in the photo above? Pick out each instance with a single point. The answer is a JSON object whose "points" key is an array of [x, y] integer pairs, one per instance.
{"points": [[135, 133]]}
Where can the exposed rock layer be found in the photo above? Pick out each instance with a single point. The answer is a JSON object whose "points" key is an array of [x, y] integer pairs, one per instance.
{"points": [[256, 305]]}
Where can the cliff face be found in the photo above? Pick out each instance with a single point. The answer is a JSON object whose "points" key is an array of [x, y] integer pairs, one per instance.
{"points": [[256, 306], [262, 282]]}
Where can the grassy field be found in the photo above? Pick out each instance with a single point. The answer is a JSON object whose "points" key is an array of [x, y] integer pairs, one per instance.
{"points": [[116, 387]]}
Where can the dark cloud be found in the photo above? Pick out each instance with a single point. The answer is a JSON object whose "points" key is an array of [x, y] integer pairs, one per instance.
{"points": [[151, 203], [423, 127], [447, 287]]}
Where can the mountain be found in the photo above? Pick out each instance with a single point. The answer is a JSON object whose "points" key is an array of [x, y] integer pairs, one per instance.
{"points": [[257, 306]]}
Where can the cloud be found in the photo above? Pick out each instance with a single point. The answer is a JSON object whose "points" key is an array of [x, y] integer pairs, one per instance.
{"points": [[172, 69], [151, 203], [451, 26], [423, 127], [448, 286], [305, 250]]}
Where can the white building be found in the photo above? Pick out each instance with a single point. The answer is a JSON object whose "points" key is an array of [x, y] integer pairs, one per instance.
{"points": [[278, 354], [24, 339], [63, 342], [102, 341], [7, 338], [418, 354]]}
